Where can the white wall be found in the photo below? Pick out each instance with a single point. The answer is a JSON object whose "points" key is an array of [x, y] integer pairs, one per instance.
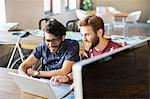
{"points": [[65, 16], [26, 12], [2, 12]]}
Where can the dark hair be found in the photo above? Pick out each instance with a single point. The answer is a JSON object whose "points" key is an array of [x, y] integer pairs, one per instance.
{"points": [[55, 27], [94, 21]]}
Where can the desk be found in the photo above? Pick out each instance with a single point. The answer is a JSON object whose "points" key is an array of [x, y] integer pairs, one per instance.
{"points": [[140, 29], [9, 89], [29, 42], [123, 15]]}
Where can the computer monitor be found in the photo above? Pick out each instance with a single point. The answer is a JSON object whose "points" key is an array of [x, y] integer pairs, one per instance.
{"points": [[123, 73]]}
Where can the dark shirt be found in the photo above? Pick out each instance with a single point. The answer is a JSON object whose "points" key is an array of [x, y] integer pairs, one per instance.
{"points": [[54, 60]]}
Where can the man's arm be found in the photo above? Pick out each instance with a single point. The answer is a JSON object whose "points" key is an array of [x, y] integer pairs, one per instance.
{"points": [[66, 68], [27, 64]]}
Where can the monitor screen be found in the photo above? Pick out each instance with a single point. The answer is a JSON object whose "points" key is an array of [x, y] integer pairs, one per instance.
{"points": [[121, 75]]}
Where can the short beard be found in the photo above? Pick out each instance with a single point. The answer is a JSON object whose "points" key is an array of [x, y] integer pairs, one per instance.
{"points": [[91, 44], [95, 41]]}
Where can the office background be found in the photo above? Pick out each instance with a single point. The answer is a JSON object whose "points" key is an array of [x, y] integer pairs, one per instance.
{"points": [[29, 12]]}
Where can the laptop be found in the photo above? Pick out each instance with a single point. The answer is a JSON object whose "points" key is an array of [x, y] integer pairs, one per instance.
{"points": [[40, 87], [122, 73]]}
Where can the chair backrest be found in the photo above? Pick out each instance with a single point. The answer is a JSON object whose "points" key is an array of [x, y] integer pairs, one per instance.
{"points": [[104, 14], [113, 10], [72, 25], [133, 16], [101, 10], [148, 21], [80, 13], [107, 18]]}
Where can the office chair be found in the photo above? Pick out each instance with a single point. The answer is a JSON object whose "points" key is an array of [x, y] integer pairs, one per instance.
{"points": [[107, 17], [80, 13], [148, 21], [42, 20], [72, 25], [133, 17], [112, 10]]}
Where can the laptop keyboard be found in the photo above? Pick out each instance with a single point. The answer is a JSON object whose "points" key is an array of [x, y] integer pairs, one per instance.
{"points": [[60, 90]]}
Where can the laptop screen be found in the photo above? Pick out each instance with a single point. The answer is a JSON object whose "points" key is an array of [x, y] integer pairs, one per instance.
{"points": [[122, 75]]}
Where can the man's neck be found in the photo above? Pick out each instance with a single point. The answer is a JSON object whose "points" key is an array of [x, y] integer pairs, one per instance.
{"points": [[102, 44]]}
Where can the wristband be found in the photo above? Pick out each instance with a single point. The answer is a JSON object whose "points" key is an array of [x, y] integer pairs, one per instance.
{"points": [[38, 72]]}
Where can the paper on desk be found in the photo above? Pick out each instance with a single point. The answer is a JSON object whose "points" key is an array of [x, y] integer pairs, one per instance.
{"points": [[6, 42], [36, 32], [9, 26], [128, 39]]}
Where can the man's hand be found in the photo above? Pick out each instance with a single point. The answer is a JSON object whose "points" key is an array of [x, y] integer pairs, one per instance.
{"points": [[32, 72], [59, 79]]}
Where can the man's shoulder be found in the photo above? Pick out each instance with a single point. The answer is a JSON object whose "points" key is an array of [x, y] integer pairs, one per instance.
{"points": [[114, 44], [41, 45]]}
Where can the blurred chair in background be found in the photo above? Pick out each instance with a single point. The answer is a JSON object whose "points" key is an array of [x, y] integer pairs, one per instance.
{"points": [[133, 17], [107, 17], [72, 25], [81, 13], [148, 21], [113, 10]]}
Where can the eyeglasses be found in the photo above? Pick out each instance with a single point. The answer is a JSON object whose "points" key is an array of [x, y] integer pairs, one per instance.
{"points": [[56, 40]]}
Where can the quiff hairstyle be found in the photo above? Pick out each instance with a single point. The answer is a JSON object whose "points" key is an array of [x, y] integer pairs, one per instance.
{"points": [[94, 21]]}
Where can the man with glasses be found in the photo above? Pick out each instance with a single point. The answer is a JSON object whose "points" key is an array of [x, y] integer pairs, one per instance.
{"points": [[56, 53], [92, 30]]}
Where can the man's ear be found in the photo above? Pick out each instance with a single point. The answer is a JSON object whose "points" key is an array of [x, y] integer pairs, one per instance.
{"points": [[100, 32], [63, 37]]}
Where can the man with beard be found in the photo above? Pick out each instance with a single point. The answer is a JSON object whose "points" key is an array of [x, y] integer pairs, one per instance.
{"points": [[92, 30], [56, 53]]}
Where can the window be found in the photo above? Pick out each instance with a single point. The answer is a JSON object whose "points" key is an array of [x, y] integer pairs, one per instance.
{"points": [[52, 7], [46, 5], [66, 4], [2, 12], [57, 6], [72, 4]]}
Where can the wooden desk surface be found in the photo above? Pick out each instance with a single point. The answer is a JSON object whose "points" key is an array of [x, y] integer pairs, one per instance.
{"points": [[9, 89], [29, 42], [121, 14]]}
